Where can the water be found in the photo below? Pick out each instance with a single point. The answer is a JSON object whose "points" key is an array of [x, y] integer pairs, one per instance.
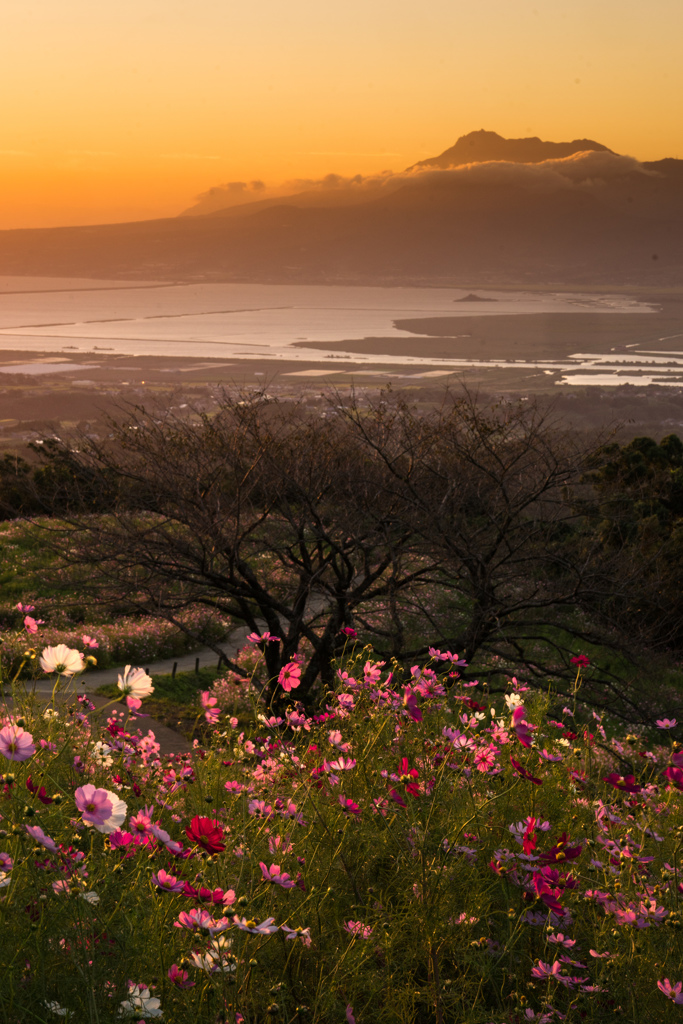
{"points": [[264, 322]]}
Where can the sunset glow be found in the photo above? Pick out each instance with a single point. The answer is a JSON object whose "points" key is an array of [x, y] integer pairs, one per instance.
{"points": [[127, 111]]}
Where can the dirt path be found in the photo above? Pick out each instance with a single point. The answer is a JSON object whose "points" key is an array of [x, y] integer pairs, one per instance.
{"points": [[170, 742]]}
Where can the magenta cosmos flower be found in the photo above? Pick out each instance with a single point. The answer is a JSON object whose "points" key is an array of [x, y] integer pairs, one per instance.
{"points": [[61, 659], [16, 744]]}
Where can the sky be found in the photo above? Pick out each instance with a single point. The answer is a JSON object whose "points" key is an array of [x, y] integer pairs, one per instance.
{"points": [[127, 110]]}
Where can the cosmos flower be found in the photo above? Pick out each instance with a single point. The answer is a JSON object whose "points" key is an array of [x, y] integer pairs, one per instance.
{"points": [[135, 682], [290, 676], [101, 808], [207, 833], [140, 1003], [274, 875], [16, 744], [672, 992], [36, 833], [179, 978], [94, 804], [62, 660], [264, 928]]}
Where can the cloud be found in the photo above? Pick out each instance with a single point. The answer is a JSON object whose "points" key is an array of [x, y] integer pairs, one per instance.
{"points": [[579, 169], [584, 170]]}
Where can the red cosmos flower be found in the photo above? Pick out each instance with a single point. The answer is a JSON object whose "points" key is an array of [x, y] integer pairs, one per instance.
{"points": [[409, 777], [627, 783], [40, 793], [561, 851], [207, 833], [580, 660], [529, 837], [349, 632], [550, 896], [524, 774]]}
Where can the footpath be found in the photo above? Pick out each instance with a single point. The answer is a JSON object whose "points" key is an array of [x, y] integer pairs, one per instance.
{"points": [[170, 742]]}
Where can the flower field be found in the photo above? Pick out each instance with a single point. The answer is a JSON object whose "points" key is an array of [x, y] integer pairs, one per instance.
{"points": [[417, 849]]}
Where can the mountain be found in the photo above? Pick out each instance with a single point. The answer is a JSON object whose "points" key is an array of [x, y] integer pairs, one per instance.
{"points": [[481, 146], [588, 217]]}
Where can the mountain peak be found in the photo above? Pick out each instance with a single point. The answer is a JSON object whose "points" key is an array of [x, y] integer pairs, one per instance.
{"points": [[481, 146]]}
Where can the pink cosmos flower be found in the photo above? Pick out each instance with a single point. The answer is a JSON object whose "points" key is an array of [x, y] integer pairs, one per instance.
{"points": [[212, 715], [26, 607], [411, 705], [549, 757], [207, 699], [546, 971], [335, 738], [16, 744], [62, 660], [485, 758], [274, 875], [666, 723], [104, 820], [89, 641], [297, 933], [672, 992], [201, 920], [179, 978], [349, 806], [362, 931], [167, 883], [522, 729], [36, 833], [290, 676], [94, 804], [256, 638], [30, 625]]}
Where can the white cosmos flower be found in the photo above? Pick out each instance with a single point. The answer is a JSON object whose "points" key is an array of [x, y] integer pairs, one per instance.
{"points": [[61, 659], [101, 754], [135, 683], [4, 879], [513, 700], [90, 897], [140, 1003], [56, 1008], [217, 959]]}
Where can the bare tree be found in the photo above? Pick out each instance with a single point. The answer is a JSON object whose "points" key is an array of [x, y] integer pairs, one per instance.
{"points": [[459, 527]]}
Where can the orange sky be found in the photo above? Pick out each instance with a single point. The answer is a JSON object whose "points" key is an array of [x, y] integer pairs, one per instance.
{"points": [[127, 110]]}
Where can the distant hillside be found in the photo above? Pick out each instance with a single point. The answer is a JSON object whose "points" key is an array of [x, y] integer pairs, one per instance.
{"points": [[587, 217]]}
